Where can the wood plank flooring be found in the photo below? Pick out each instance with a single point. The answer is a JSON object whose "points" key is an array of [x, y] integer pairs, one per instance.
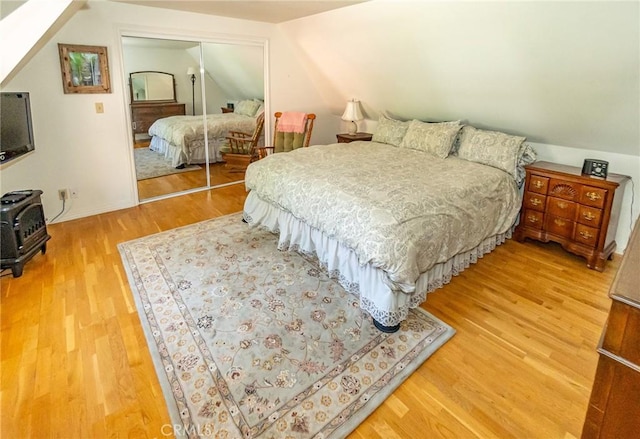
{"points": [[75, 362]]}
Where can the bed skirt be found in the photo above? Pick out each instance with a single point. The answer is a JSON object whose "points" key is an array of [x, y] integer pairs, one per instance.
{"points": [[377, 296], [177, 157]]}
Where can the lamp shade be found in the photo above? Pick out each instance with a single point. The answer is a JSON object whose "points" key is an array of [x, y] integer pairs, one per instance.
{"points": [[191, 71], [352, 113]]}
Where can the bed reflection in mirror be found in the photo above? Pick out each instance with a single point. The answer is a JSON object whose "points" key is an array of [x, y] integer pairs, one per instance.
{"points": [[169, 137]]}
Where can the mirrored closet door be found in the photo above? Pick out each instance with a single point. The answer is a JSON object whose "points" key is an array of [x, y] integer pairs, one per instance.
{"points": [[175, 87]]}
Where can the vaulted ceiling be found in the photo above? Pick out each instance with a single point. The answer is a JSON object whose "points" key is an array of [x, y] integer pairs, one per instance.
{"points": [[257, 10]]}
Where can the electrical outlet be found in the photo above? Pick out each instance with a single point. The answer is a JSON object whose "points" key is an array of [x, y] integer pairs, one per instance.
{"points": [[62, 194], [99, 107]]}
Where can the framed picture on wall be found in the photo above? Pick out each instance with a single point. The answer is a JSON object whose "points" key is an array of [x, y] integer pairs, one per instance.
{"points": [[85, 69]]}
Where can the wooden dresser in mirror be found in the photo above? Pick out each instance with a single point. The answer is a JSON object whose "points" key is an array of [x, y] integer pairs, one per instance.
{"points": [[153, 96]]}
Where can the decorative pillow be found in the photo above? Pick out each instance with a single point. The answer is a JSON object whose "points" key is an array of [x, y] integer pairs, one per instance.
{"points": [[492, 148], [390, 131], [247, 107], [433, 138]]}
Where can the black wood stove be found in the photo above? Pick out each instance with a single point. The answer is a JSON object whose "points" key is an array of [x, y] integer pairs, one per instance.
{"points": [[23, 229]]}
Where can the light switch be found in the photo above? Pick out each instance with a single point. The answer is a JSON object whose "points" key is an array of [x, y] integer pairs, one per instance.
{"points": [[99, 107]]}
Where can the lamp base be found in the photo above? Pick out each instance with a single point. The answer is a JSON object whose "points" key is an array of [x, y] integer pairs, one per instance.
{"points": [[353, 128]]}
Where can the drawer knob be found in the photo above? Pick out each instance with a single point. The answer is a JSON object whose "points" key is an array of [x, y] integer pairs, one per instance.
{"points": [[535, 201], [532, 219], [593, 196], [559, 222], [538, 184], [589, 216], [585, 234], [562, 205]]}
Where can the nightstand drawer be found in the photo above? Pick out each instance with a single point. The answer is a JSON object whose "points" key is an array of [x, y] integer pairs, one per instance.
{"points": [[589, 216], [561, 208], [586, 235], [533, 219], [559, 226], [534, 201], [538, 184], [592, 196]]}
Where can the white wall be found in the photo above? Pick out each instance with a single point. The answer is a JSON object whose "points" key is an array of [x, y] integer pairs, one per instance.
{"points": [[238, 69]]}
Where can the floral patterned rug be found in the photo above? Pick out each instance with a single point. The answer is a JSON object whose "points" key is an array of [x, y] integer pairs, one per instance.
{"points": [[249, 341], [150, 164]]}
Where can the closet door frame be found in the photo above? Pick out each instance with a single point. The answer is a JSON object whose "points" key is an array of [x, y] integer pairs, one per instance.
{"points": [[163, 34]]}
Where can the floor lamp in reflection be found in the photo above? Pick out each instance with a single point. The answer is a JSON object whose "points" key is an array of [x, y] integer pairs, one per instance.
{"points": [[192, 74]]}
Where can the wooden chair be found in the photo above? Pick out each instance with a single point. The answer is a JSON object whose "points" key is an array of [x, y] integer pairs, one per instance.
{"points": [[284, 141], [241, 148]]}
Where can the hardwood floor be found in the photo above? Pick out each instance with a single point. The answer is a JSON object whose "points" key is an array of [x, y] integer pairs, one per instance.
{"points": [[75, 362]]}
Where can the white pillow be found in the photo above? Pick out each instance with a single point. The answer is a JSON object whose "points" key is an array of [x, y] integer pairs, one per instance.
{"points": [[433, 138], [247, 107], [390, 131], [493, 148]]}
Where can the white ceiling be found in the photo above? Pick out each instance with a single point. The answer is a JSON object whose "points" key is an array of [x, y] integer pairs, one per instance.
{"points": [[257, 10]]}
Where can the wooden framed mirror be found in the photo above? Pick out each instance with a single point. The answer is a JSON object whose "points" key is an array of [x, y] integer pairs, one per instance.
{"points": [[151, 86]]}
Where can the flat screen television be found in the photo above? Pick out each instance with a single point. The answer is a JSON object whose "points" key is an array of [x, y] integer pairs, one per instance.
{"points": [[16, 129]]}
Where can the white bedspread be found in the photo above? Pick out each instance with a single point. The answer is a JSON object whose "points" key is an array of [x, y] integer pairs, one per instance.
{"points": [[398, 210]]}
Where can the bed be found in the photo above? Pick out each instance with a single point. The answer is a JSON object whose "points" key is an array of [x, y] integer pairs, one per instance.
{"points": [[393, 219], [181, 138]]}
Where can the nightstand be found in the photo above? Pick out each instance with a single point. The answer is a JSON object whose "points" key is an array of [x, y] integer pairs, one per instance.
{"points": [[226, 110], [347, 138], [579, 212]]}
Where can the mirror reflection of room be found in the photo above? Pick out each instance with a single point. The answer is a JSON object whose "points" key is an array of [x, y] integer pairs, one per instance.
{"points": [[152, 86], [166, 103]]}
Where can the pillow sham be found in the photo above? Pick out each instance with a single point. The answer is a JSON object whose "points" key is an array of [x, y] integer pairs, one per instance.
{"points": [[492, 148], [433, 138], [247, 107], [390, 131]]}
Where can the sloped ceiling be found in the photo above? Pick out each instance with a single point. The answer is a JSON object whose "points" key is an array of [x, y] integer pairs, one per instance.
{"points": [[25, 28], [237, 69], [270, 11]]}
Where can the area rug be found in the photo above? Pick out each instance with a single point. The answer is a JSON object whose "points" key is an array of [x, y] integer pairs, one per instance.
{"points": [[249, 341], [150, 164]]}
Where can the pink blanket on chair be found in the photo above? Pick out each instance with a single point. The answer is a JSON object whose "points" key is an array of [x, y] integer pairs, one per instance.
{"points": [[292, 122]]}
